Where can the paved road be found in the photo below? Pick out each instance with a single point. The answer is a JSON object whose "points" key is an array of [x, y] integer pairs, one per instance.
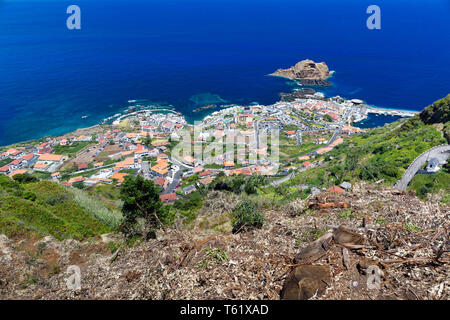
{"points": [[145, 168], [176, 177], [440, 152], [277, 183], [173, 185], [336, 135]]}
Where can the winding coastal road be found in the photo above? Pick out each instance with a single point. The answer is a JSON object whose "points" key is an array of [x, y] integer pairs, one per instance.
{"points": [[440, 152]]}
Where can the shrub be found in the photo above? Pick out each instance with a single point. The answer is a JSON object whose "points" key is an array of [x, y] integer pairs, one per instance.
{"points": [[78, 185], [250, 188], [424, 190], [213, 255], [141, 209], [233, 184], [55, 199], [246, 216], [25, 178], [193, 203], [29, 196]]}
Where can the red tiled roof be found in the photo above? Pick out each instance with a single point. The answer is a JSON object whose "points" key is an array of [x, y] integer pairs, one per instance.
{"points": [[336, 189], [4, 168], [28, 156], [50, 157], [15, 153], [168, 197], [160, 181], [205, 173], [76, 179], [83, 166]]}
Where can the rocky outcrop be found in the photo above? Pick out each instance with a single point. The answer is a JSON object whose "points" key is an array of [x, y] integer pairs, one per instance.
{"points": [[307, 72], [299, 94]]}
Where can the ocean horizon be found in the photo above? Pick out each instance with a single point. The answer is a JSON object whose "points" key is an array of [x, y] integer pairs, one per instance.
{"points": [[191, 53]]}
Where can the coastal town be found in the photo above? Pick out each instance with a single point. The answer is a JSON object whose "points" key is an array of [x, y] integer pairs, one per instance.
{"points": [[210, 157], [142, 142]]}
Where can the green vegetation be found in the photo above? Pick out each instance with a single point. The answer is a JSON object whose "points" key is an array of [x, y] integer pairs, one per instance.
{"points": [[67, 174], [25, 178], [72, 149], [424, 184], [107, 194], [78, 185], [381, 221], [142, 209], [254, 182], [380, 154], [5, 161], [318, 177], [296, 151], [346, 214], [313, 234], [413, 228], [41, 175], [290, 127], [446, 199], [129, 171], [189, 181], [383, 154], [188, 207], [33, 208], [43, 208], [438, 112], [95, 208], [246, 216], [327, 118], [238, 184], [213, 255], [213, 166]]}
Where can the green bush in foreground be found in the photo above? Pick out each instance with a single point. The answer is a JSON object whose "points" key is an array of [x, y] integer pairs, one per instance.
{"points": [[246, 216], [142, 208]]}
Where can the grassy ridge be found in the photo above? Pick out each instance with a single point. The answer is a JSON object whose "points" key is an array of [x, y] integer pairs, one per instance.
{"points": [[380, 154], [44, 208], [95, 208]]}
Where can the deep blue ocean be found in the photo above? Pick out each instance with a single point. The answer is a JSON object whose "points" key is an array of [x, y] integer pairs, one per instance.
{"points": [[177, 51]]}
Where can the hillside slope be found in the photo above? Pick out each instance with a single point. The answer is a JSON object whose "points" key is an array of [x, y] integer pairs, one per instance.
{"points": [[438, 112], [402, 236], [45, 227], [38, 209], [383, 154]]}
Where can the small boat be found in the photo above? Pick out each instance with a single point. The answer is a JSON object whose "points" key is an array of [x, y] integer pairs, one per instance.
{"points": [[84, 117]]}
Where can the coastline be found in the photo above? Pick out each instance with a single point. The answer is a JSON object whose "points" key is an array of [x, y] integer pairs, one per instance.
{"points": [[118, 116], [391, 109], [134, 106]]}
